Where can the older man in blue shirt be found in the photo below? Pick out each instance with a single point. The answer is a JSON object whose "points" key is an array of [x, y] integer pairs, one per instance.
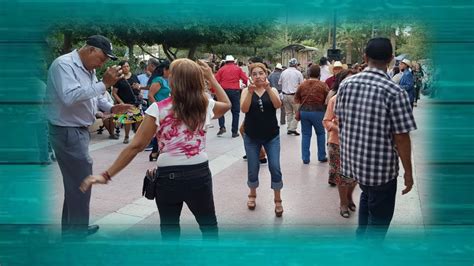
{"points": [[407, 82], [76, 95]]}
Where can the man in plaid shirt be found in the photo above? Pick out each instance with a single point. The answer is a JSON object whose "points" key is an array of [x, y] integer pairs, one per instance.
{"points": [[375, 118]]}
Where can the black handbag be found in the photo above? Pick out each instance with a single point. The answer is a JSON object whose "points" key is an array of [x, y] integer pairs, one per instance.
{"points": [[149, 184]]}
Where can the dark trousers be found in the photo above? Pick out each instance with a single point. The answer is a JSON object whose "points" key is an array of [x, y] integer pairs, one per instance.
{"points": [[234, 97], [376, 207], [71, 146], [190, 184]]}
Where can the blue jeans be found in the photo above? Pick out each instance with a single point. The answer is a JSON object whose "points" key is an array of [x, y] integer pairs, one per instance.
{"points": [[310, 120], [376, 207], [234, 97], [252, 149]]}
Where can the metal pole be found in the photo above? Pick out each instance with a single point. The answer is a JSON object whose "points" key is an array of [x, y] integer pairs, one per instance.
{"points": [[334, 32]]}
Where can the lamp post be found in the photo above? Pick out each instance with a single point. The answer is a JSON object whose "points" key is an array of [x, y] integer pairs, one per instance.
{"points": [[334, 32], [334, 54]]}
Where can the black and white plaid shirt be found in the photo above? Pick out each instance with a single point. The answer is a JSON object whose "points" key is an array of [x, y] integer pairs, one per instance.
{"points": [[371, 108]]}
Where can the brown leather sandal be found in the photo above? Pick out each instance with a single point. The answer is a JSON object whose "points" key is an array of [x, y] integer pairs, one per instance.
{"points": [[278, 208], [251, 204]]}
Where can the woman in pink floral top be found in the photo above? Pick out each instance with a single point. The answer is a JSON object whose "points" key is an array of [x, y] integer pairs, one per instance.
{"points": [[345, 185], [179, 123]]}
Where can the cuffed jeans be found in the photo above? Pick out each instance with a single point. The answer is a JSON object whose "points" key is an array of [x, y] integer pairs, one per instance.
{"points": [[310, 120], [252, 149], [234, 97], [190, 184], [376, 207]]}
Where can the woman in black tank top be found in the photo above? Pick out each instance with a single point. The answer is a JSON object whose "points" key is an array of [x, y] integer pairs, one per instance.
{"points": [[259, 103]]}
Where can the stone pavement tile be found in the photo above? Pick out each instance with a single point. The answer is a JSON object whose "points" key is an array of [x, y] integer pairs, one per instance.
{"points": [[142, 211], [118, 219], [407, 207]]}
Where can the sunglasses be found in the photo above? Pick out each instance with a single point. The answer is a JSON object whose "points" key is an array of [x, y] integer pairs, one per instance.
{"points": [[260, 104]]}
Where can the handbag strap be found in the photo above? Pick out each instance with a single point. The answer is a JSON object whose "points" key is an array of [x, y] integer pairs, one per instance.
{"points": [[304, 100]]}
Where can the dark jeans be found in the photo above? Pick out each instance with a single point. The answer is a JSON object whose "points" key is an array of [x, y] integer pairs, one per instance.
{"points": [[234, 97], [190, 184], [376, 207]]}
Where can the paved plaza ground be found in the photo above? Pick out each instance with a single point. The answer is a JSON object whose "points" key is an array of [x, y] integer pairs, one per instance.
{"points": [[308, 200]]}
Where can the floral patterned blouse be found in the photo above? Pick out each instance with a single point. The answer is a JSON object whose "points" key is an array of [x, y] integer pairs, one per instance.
{"points": [[179, 145]]}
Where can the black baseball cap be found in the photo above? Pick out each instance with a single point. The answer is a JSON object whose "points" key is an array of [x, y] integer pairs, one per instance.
{"points": [[379, 49], [102, 43]]}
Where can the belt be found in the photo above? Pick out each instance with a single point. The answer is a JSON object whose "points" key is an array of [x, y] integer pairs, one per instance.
{"points": [[184, 174], [313, 108], [288, 93], [82, 127]]}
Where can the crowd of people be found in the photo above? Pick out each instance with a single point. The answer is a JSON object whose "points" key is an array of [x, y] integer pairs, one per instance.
{"points": [[365, 110]]}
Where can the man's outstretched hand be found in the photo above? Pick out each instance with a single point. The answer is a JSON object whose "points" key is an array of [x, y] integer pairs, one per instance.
{"points": [[90, 180]]}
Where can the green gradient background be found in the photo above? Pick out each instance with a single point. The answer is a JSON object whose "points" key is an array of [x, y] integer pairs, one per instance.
{"points": [[448, 206]]}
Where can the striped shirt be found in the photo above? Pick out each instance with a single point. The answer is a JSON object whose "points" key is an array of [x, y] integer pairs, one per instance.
{"points": [[371, 109]]}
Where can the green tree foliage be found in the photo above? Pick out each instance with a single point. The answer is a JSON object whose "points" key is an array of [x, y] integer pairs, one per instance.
{"points": [[416, 43], [196, 37]]}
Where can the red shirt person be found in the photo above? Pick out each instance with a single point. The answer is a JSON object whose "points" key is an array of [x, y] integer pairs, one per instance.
{"points": [[337, 67], [229, 77]]}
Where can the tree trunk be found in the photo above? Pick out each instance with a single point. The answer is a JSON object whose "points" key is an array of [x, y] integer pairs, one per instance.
{"points": [[192, 51], [393, 39], [330, 35], [131, 57], [67, 43]]}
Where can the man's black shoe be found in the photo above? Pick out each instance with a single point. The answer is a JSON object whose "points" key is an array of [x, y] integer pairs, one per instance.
{"points": [[92, 229], [293, 132], [76, 233], [264, 160], [235, 135]]}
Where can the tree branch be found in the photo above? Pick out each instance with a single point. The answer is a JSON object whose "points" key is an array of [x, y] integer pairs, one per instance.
{"points": [[175, 52], [168, 53], [146, 52]]}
